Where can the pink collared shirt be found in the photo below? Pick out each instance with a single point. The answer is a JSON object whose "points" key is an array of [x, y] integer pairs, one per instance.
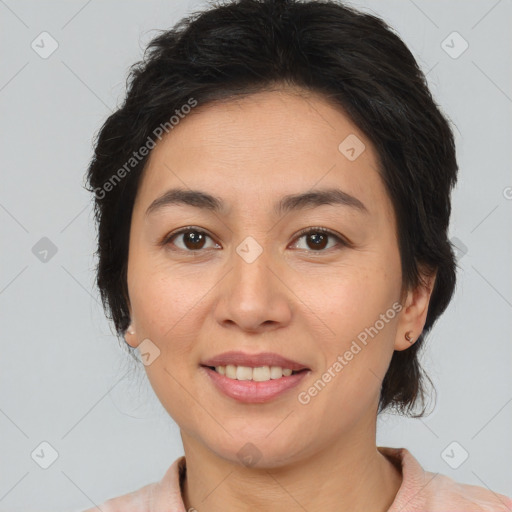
{"points": [[421, 491]]}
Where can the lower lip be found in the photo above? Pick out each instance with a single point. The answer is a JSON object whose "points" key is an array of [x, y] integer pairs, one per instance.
{"points": [[250, 391]]}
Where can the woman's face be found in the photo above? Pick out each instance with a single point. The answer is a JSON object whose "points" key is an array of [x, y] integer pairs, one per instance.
{"points": [[252, 283]]}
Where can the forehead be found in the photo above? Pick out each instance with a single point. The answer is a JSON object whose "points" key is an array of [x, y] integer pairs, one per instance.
{"points": [[272, 143]]}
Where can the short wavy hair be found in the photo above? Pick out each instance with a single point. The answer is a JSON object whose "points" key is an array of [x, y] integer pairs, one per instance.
{"points": [[356, 61]]}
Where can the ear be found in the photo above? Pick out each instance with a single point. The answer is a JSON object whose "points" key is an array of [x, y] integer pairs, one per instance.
{"points": [[130, 335], [414, 313]]}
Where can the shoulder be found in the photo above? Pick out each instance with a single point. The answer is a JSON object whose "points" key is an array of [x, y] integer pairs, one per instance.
{"points": [[136, 501], [162, 496], [473, 497], [434, 492]]}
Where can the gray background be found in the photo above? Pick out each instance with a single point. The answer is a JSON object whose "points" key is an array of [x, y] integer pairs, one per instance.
{"points": [[63, 375]]}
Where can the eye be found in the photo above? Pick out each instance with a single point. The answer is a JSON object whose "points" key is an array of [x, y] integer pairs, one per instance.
{"points": [[193, 240], [318, 237]]}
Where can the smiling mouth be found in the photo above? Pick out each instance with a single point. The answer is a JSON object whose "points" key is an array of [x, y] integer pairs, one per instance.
{"points": [[257, 374]]}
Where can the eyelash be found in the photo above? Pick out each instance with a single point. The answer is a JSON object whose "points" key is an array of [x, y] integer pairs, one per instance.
{"points": [[167, 239]]}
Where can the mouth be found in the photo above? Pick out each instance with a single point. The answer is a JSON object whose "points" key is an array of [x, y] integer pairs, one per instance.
{"points": [[256, 374], [253, 378], [239, 365], [253, 385]]}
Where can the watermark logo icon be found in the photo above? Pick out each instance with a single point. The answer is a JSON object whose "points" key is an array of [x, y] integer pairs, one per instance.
{"points": [[249, 455], [454, 455], [459, 247], [148, 352], [44, 455], [44, 45], [249, 250], [44, 249], [454, 45], [351, 147]]}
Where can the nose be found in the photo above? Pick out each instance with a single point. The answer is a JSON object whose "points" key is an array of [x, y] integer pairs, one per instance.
{"points": [[254, 296]]}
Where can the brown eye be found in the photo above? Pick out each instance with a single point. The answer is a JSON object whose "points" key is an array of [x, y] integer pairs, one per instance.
{"points": [[191, 239], [317, 238]]}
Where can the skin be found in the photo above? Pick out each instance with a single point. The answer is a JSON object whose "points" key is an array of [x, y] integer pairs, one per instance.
{"points": [[305, 304]]}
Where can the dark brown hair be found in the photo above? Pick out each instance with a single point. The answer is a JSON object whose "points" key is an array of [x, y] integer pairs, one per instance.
{"points": [[355, 61]]}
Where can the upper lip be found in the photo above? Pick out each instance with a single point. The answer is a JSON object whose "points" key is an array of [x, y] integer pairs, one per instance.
{"points": [[238, 358]]}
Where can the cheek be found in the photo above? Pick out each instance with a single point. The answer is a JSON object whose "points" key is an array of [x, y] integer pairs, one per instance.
{"points": [[163, 308], [163, 300], [359, 319], [354, 296]]}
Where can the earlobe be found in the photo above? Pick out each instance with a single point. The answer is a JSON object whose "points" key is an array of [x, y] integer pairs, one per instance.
{"points": [[130, 337], [404, 341], [414, 314], [409, 337]]}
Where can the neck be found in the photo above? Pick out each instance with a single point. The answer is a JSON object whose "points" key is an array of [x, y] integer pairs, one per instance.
{"points": [[348, 475]]}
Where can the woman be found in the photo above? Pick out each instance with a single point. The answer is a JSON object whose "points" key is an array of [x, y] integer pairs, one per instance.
{"points": [[273, 200]]}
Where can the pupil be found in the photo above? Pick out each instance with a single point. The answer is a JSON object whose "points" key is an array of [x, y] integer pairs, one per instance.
{"points": [[318, 238], [194, 238]]}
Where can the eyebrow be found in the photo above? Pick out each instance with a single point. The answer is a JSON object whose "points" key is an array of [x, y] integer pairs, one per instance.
{"points": [[292, 202]]}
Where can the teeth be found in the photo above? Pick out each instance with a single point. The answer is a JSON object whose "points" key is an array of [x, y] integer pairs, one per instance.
{"points": [[243, 373], [262, 373], [258, 374]]}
